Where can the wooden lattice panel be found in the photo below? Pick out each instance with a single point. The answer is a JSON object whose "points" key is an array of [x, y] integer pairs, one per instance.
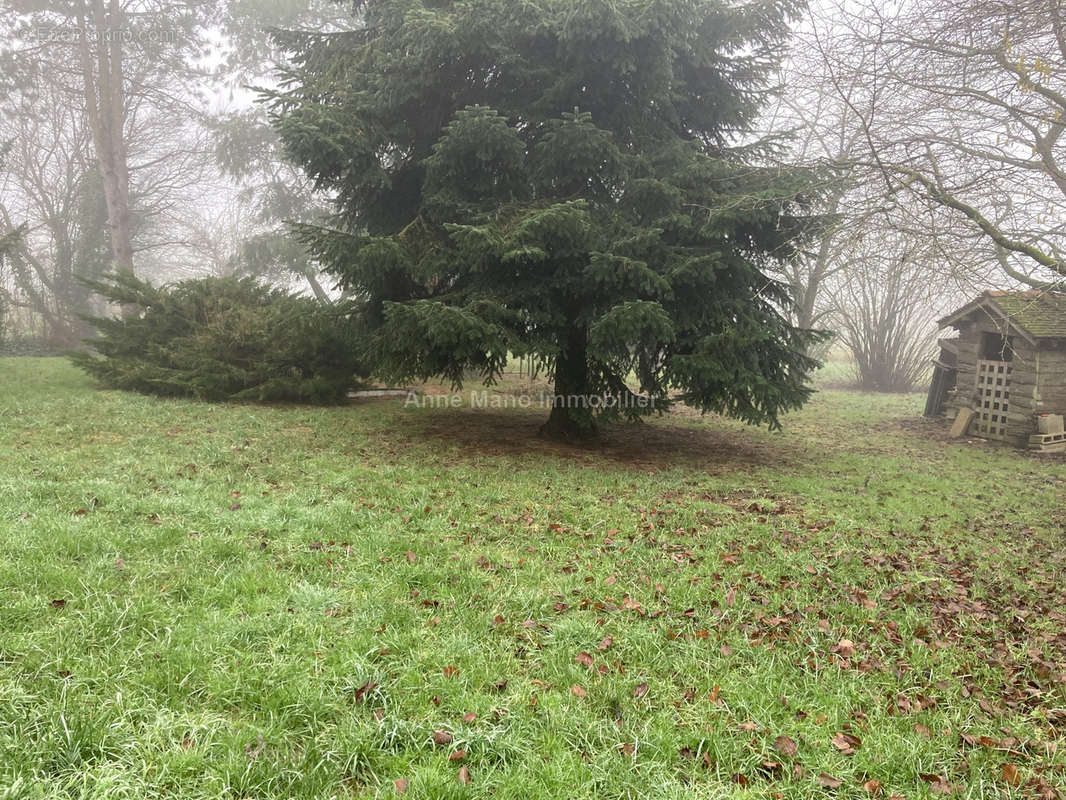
{"points": [[993, 399]]}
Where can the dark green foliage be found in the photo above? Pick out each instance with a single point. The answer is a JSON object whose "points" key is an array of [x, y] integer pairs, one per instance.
{"points": [[556, 179], [221, 339]]}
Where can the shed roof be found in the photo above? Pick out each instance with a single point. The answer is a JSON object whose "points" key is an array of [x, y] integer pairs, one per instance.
{"points": [[1036, 314]]}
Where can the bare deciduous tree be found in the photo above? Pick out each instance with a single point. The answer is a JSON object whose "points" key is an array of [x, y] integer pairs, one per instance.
{"points": [[51, 191], [118, 63], [103, 85], [966, 112], [861, 278], [884, 312]]}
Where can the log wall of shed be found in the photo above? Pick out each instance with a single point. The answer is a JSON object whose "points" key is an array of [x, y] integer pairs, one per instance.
{"points": [[966, 383], [1026, 386], [1050, 389], [1023, 395]]}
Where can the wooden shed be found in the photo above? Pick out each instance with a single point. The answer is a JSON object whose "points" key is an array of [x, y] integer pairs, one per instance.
{"points": [[1010, 362]]}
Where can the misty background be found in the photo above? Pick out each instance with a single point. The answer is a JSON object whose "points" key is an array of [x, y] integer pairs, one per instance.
{"points": [[135, 135]]}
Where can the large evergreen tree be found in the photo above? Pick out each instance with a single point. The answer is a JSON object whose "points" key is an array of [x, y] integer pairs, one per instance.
{"points": [[562, 179]]}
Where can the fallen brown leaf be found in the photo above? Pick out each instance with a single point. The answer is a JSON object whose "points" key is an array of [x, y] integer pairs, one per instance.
{"points": [[845, 647], [785, 746], [828, 781], [442, 737], [360, 693], [1010, 775], [846, 743]]}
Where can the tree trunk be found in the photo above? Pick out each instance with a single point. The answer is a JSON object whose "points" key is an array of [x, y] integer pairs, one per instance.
{"points": [[316, 287], [571, 417], [105, 102]]}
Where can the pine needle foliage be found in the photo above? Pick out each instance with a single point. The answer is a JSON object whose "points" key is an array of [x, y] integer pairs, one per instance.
{"points": [[221, 339]]}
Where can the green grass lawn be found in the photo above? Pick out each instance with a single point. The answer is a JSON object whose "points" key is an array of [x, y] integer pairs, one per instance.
{"points": [[208, 601]]}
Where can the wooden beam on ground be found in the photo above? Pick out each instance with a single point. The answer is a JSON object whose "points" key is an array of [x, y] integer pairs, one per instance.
{"points": [[961, 423]]}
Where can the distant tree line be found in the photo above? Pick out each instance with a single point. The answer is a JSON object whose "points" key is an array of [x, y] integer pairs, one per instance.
{"points": [[935, 130]]}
